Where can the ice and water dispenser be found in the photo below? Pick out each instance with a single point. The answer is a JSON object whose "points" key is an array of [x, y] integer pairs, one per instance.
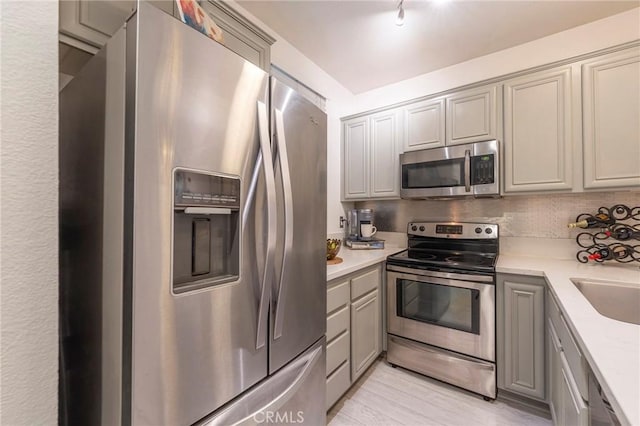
{"points": [[206, 230]]}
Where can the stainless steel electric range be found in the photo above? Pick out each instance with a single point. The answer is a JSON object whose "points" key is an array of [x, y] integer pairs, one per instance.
{"points": [[441, 304]]}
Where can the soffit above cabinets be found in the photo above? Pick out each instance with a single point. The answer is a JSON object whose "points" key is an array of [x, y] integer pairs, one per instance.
{"points": [[358, 43]]}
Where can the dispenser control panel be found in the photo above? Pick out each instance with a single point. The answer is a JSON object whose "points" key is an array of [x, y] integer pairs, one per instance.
{"points": [[197, 189]]}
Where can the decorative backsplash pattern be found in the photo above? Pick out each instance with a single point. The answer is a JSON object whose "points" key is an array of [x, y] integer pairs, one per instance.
{"points": [[536, 216]]}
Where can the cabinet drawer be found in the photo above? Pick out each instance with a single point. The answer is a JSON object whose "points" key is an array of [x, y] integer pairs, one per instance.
{"points": [[337, 352], [575, 411], [554, 311], [337, 384], [337, 323], [337, 296], [575, 360], [364, 283]]}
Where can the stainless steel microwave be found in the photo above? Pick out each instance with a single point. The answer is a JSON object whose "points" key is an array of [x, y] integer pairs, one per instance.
{"points": [[460, 170]]}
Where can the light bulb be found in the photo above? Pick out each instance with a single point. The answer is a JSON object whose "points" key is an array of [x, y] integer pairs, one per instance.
{"points": [[400, 18]]}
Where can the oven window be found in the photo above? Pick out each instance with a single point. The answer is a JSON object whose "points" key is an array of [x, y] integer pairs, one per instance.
{"points": [[433, 174], [446, 306]]}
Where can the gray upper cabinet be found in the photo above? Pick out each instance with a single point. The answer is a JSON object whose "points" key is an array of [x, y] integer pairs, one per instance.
{"points": [[424, 125], [384, 155], [370, 152], [88, 24], [611, 107], [472, 115], [356, 153], [538, 137], [240, 35], [521, 335]]}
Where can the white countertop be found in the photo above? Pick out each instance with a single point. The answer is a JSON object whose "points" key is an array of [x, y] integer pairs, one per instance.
{"points": [[358, 259], [611, 347]]}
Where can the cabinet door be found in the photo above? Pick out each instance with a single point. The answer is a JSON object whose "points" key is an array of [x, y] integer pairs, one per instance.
{"points": [[472, 116], [356, 163], [88, 24], [240, 34], [555, 373], [384, 161], [522, 316], [573, 410], [611, 107], [365, 332], [424, 125], [538, 143]]}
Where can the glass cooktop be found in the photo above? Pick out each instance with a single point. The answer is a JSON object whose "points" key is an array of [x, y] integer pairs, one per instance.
{"points": [[446, 258]]}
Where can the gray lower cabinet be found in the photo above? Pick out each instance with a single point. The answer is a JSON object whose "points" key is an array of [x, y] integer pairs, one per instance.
{"points": [[354, 328], [365, 338], [568, 371], [521, 335], [611, 107]]}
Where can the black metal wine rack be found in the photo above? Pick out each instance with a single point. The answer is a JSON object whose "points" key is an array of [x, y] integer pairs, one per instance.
{"points": [[621, 237]]}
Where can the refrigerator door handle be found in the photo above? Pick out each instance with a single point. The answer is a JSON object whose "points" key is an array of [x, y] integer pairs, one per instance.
{"points": [[288, 221], [269, 177]]}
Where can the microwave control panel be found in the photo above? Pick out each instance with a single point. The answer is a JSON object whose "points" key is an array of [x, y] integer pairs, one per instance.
{"points": [[482, 167]]}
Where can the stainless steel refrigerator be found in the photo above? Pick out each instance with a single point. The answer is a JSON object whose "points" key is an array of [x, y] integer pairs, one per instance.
{"points": [[192, 221]]}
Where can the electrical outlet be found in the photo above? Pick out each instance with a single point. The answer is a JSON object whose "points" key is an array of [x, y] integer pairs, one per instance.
{"points": [[342, 221]]}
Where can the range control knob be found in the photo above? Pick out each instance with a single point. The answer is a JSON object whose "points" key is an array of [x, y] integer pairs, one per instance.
{"points": [[422, 228], [478, 230], [414, 228], [488, 230]]}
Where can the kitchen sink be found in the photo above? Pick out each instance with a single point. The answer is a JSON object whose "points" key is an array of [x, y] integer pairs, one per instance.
{"points": [[616, 300]]}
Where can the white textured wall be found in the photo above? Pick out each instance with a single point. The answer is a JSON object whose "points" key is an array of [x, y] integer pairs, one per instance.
{"points": [[610, 31], [29, 212]]}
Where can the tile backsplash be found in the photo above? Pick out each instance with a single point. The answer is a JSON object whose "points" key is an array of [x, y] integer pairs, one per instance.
{"points": [[534, 216]]}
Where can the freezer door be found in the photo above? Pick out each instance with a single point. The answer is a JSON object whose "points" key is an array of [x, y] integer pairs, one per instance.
{"points": [[196, 104], [295, 394], [298, 300]]}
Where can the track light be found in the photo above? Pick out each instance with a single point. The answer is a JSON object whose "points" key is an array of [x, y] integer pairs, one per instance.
{"points": [[400, 18]]}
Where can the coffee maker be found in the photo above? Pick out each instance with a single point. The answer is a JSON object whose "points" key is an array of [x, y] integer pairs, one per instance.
{"points": [[355, 238]]}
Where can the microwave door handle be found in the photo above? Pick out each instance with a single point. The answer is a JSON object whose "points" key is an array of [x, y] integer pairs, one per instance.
{"points": [[467, 170], [288, 221], [269, 177]]}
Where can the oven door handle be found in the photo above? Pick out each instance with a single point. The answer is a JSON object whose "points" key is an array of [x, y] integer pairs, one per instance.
{"points": [[489, 279], [441, 281], [467, 170]]}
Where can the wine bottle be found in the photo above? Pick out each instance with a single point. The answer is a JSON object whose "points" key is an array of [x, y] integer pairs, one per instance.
{"points": [[601, 220], [623, 234], [601, 254]]}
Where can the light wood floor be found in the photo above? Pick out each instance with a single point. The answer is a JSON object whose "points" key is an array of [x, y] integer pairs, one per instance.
{"points": [[393, 396]]}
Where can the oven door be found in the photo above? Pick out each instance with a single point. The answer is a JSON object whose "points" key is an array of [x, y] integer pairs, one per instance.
{"points": [[449, 313]]}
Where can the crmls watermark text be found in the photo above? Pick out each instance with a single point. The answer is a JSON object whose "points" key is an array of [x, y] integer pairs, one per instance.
{"points": [[278, 417]]}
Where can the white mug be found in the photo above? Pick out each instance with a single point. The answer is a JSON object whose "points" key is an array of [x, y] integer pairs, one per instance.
{"points": [[367, 230]]}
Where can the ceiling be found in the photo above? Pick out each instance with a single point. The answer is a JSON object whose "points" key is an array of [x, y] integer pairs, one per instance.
{"points": [[358, 43]]}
